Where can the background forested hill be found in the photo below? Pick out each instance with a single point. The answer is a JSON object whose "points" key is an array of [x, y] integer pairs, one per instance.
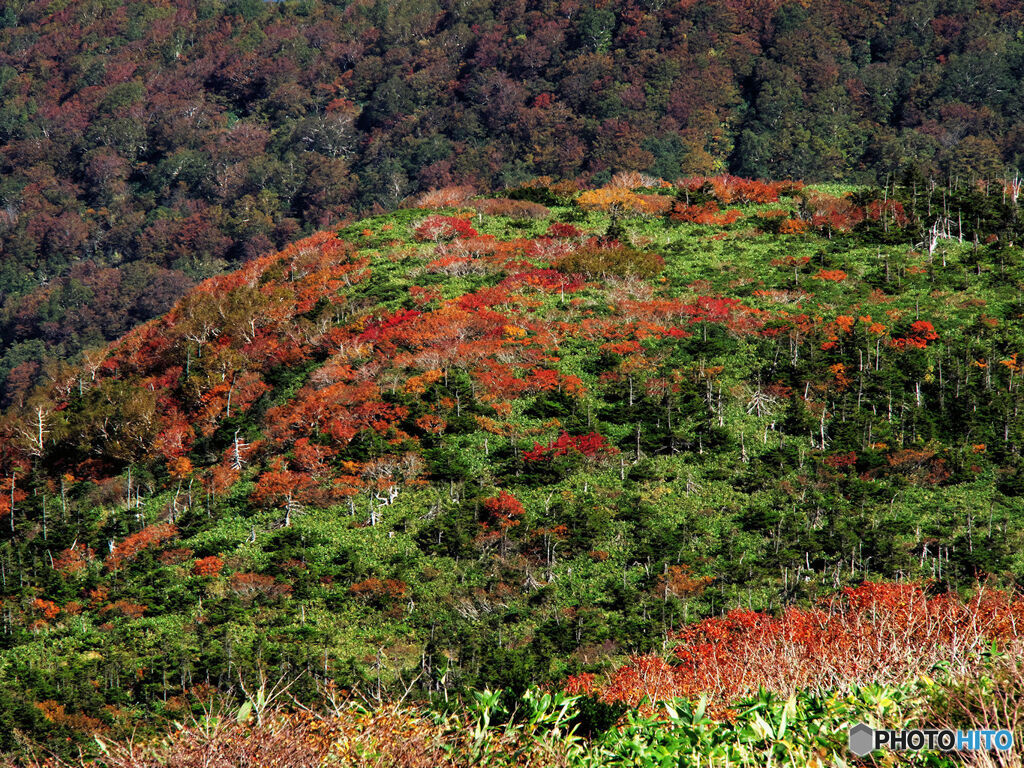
{"points": [[146, 145]]}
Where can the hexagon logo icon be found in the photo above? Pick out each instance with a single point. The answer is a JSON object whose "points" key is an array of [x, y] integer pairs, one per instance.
{"points": [[862, 739]]}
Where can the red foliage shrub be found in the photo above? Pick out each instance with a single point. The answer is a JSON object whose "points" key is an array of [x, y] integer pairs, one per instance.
{"points": [[792, 227], [617, 201], [590, 445], [174, 556], [208, 566], [57, 714], [889, 210], [221, 479], [379, 591], [9, 488], [179, 468], [841, 460], [881, 633], [379, 328], [283, 488], [921, 332], [558, 229], [424, 296], [439, 228], [707, 214], [656, 205], [457, 266], [47, 608], [431, 423], [582, 684], [505, 508], [484, 298], [74, 559], [560, 190], [832, 275], [732, 189], [712, 309], [131, 546], [920, 466], [678, 580], [546, 280], [832, 214], [621, 347], [125, 608]]}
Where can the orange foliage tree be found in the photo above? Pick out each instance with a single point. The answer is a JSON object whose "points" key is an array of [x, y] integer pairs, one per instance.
{"points": [[618, 201], [874, 633], [208, 566], [131, 546]]}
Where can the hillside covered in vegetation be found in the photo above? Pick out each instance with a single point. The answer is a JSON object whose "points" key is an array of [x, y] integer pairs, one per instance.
{"points": [[147, 145], [504, 442]]}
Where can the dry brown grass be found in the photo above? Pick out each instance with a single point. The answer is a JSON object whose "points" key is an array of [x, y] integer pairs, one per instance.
{"points": [[384, 736]]}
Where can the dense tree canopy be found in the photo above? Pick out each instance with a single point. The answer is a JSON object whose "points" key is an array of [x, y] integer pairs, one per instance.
{"points": [[146, 145]]}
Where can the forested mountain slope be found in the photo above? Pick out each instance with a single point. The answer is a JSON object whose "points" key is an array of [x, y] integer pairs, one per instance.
{"points": [[504, 441], [147, 145]]}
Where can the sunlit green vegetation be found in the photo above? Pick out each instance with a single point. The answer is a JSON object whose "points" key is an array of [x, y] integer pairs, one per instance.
{"points": [[440, 451]]}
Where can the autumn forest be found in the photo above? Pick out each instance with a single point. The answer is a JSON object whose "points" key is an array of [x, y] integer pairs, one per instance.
{"points": [[526, 384]]}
